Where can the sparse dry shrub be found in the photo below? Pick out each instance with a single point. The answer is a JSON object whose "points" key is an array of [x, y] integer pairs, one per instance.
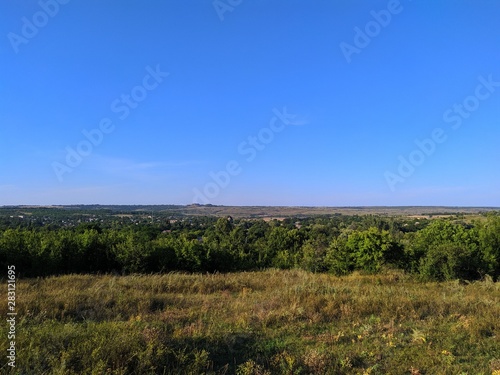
{"points": [[316, 361]]}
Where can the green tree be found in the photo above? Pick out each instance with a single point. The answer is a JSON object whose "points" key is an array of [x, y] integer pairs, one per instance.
{"points": [[489, 239], [133, 253], [445, 250], [163, 255], [14, 251], [372, 248], [283, 247], [448, 261], [191, 254], [339, 257], [314, 249], [366, 250]]}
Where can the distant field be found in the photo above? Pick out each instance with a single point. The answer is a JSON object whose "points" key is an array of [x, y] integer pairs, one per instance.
{"points": [[283, 212], [268, 212], [271, 322]]}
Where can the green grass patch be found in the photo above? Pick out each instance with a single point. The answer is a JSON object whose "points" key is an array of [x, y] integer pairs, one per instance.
{"points": [[269, 322]]}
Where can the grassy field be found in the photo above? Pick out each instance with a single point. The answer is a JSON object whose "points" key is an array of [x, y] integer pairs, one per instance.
{"points": [[270, 322]]}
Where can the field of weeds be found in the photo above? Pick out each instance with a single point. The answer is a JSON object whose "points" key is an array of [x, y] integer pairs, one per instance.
{"points": [[269, 322]]}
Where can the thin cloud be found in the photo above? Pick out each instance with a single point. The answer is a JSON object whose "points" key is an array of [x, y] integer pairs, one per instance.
{"points": [[116, 165]]}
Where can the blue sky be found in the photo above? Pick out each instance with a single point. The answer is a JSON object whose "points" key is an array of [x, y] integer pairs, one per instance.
{"points": [[182, 89]]}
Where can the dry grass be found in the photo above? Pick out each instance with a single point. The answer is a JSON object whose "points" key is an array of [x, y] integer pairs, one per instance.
{"points": [[280, 322]]}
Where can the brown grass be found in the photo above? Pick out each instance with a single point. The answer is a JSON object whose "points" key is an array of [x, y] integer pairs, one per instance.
{"points": [[282, 322]]}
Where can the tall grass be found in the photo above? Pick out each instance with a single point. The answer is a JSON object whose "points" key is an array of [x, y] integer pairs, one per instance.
{"points": [[275, 322]]}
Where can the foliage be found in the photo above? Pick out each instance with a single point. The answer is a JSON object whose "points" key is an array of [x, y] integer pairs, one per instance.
{"points": [[438, 249]]}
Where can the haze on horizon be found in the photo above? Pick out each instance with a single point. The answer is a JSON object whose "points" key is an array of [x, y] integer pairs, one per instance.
{"points": [[282, 103]]}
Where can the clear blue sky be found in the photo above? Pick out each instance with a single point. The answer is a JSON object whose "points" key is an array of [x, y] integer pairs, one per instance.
{"points": [[230, 70]]}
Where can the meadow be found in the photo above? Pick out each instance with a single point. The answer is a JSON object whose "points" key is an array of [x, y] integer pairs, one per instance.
{"points": [[258, 322]]}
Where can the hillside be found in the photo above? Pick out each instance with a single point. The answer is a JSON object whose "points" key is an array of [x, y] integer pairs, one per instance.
{"points": [[272, 322]]}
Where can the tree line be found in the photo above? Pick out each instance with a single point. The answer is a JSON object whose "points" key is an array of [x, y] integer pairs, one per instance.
{"points": [[436, 249]]}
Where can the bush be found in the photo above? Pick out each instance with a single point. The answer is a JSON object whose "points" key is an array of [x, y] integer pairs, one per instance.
{"points": [[448, 262]]}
